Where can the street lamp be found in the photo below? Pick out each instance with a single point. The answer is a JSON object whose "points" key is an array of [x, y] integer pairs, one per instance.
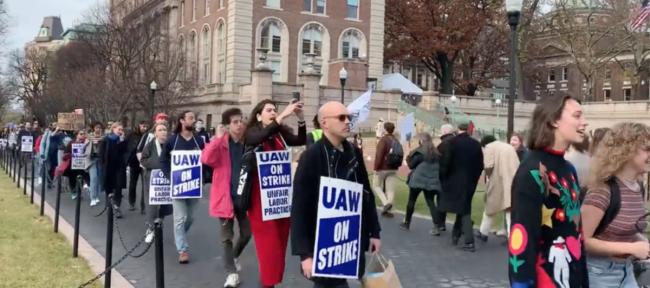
{"points": [[513, 10], [497, 102], [453, 109], [152, 88], [343, 76]]}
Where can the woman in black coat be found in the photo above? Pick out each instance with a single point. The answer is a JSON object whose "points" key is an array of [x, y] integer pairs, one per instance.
{"points": [[113, 156]]}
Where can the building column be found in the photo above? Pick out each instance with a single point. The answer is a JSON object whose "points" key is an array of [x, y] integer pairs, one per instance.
{"points": [[239, 47], [262, 83], [310, 95], [376, 41]]}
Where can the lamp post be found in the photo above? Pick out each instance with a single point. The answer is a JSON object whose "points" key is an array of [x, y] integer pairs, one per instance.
{"points": [[513, 10], [152, 93], [343, 76], [497, 102], [453, 109]]}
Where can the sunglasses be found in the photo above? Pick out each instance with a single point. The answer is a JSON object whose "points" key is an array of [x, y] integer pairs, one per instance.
{"points": [[341, 117]]}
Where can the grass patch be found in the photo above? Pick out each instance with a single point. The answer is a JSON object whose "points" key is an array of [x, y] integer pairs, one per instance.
{"points": [[478, 204], [32, 255]]}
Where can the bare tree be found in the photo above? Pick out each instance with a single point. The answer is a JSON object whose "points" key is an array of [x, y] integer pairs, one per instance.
{"points": [[26, 80], [592, 35]]}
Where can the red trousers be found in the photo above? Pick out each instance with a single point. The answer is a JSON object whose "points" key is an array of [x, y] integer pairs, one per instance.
{"points": [[271, 238]]}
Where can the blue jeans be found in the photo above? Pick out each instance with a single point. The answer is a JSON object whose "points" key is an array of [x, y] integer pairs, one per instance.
{"points": [[605, 273], [94, 175], [183, 218]]}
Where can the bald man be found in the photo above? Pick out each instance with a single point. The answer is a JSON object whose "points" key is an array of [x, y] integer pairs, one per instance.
{"points": [[331, 156]]}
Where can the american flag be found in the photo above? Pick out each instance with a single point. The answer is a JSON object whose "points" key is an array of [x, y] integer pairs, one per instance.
{"points": [[641, 15]]}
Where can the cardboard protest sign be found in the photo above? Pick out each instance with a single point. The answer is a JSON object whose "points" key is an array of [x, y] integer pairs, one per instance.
{"points": [[70, 121], [276, 189], [159, 189]]}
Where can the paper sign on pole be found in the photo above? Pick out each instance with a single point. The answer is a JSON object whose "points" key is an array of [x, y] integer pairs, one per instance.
{"points": [[338, 229], [159, 189], [406, 128], [78, 156], [70, 121], [27, 144], [79, 111], [276, 189], [187, 179]]}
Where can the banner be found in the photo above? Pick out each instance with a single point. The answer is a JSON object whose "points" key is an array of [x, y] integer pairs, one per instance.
{"points": [[78, 156], [187, 181], [274, 170], [359, 110], [338, 229], [159, 189], [406, 128], [27, 144]]}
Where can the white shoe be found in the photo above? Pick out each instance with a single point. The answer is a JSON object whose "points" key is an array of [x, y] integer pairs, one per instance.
{"points": [[232, 281], [93, 203], [237, 265], [85, 186], [149, 238], [40, 181]]}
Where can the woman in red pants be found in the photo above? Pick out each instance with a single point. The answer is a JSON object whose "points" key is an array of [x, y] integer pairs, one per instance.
{"points": [[265, 132]]}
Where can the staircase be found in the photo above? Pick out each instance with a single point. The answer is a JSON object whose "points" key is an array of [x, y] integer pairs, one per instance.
{"points": [[425, 119]]}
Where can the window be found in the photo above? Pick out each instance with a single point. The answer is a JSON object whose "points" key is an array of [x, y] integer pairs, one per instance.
{"points": [[206, 42], [275, 66], [272, 3], [316, 67], [627, 94], [607, 94], [420, 79], [207, 7], [350, 45], [182, 13], [307, 5], [320, 6], [608, 73], [551, 75], [353, 9], [551, 93], [271, 37], [193, 10], [206, 73], [222, 71], [407, 73], [565, 74], [312, 42], [221, 47]]}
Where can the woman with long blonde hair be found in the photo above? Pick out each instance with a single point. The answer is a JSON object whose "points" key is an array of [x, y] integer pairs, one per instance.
{"points": [[613, 208]]}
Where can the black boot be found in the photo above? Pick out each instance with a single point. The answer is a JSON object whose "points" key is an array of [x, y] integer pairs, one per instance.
{"points": [[469, 247], [454, 240], [480, 236], [405, 225]]}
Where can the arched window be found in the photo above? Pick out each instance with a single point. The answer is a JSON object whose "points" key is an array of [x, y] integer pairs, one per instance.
{"points": [[207, 63], [206, 42], [271, 37], [312, 41], [221, 35], [220, 53], [193, 46], [350, 45]]}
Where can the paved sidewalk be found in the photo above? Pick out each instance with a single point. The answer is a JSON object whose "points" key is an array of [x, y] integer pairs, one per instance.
{"points": [[421, 260]]}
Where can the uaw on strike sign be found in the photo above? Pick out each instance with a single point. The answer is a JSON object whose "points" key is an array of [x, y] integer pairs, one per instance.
{"points": [[159, 189], [186, 175], [338, 231], [274, 170]]}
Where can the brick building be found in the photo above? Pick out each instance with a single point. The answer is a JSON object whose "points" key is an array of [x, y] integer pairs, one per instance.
{"points": [[223, 37]]}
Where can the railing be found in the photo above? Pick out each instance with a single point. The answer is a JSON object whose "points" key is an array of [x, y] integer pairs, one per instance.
{"points": [[425, 117]]}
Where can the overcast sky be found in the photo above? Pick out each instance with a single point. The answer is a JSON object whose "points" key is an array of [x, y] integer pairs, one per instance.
{"points": [[27, 15]]}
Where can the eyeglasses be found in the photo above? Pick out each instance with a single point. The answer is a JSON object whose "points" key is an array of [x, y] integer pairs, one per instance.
{"points": [[341, 117]]}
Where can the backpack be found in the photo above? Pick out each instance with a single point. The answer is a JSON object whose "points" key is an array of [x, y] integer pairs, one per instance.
{"points": [[614, 204], [395, 156]]}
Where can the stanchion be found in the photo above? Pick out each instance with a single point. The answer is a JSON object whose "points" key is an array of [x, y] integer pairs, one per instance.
{"points": [[25, 176], [43, 184], [11, 165], [77, 210], [20, 170], [14, 167], [31, 184], [109, 240], [160, 260], [57, 207]]}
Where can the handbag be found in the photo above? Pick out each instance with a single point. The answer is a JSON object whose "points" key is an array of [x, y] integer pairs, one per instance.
{"points": [[243, 198]]}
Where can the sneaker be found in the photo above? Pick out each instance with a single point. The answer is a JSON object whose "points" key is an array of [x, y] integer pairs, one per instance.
{"points": [[232, 281], [184, 257], [73, 195], [93, 203], [405, 225], [149, 237], [480, 236], [85, 186], [238, 266], [40, 181], [118, 213], [469, 247], [131, 207], [435, 231]]}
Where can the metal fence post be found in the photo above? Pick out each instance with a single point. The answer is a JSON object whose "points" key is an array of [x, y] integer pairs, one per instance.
{"points": [[109, 240], [57, 207], [160, 260], [43, 184], [77, 210], [25, 176], [20, 169]]}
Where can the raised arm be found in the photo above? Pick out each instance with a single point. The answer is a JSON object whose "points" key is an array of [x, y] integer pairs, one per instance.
{"points": [[295, 140], [255, 137], [213, 151]]}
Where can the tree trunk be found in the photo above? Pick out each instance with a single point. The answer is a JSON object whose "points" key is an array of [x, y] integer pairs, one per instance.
{"points": [[446, 73]]}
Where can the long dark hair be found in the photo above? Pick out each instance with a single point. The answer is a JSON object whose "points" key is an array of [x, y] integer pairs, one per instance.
{"points": [[253, 123], [429, 149], [179, 126]]}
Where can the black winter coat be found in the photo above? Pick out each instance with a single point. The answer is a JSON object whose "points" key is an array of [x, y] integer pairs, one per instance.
{"points": [[460, 170]]}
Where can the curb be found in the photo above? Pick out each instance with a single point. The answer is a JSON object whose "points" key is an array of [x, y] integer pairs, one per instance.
{"points": [[94, 259]]}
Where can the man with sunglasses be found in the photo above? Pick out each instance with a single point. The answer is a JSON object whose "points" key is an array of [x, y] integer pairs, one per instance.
{"points": [[332, 156]]}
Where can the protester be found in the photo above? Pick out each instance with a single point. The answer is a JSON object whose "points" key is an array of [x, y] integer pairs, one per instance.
{"points": [[333, 157], [182, 140], [388, 158], [315, 135], [224, 155], [578, 156], [613, 210], [596, 137], [151, 161], [545, 237], [500, 162], [358, 141], [266, 132], [161, 118], [133, 140], [517, 142], [424, 163], [447, 133], [92, 165], [113, 157], [66, 166], [201, 132], [460, 169]]}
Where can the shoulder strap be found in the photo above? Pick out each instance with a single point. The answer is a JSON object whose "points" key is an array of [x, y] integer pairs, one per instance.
{"points": [[613, 208]]}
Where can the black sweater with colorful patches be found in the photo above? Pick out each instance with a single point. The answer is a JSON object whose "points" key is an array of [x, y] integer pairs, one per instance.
{"points": [[546, 243]]}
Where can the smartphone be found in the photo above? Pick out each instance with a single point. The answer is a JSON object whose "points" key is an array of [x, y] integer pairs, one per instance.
{"points": [[295, 97]]}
